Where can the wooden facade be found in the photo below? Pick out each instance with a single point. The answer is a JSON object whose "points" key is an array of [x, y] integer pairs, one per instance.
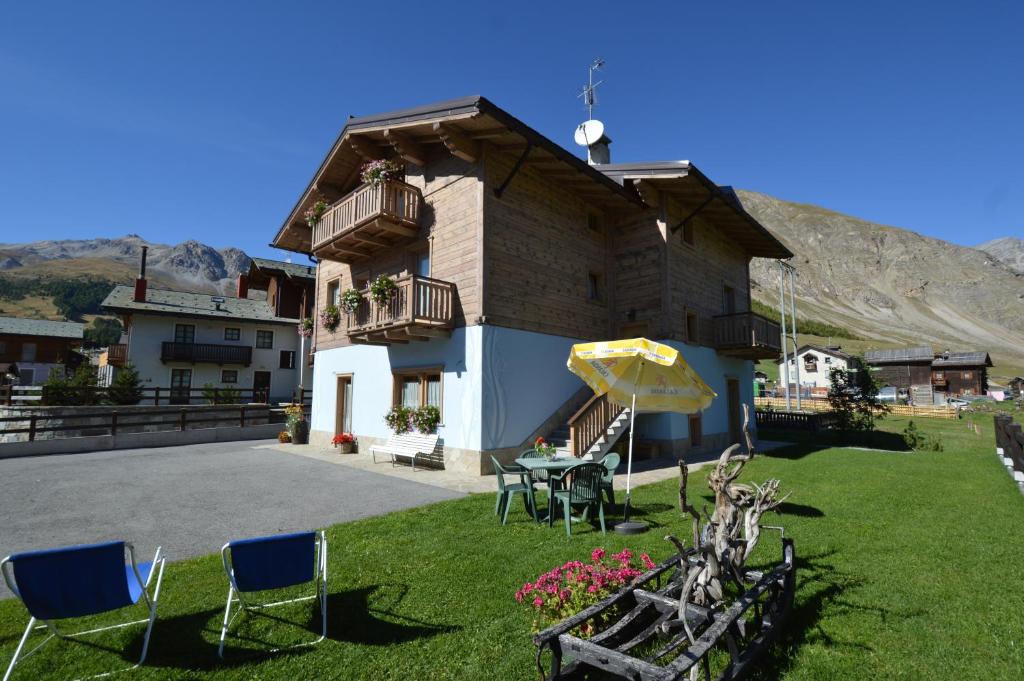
{"points": [[16, 348]]}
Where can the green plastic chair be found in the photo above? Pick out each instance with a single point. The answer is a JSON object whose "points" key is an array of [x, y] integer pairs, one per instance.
{"points": [[537, 476], [610, 463], [584, 490], [503, 500]]}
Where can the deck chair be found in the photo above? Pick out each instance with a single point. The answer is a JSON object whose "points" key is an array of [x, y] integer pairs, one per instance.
{"points": [[79, 581], [584, 490], [610, 462], [507, 490], [275, 562]]}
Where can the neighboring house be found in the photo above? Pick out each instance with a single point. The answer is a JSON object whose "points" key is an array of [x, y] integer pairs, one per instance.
{"points": [[290, 287], [505, 250], [34, 347], [180, 340], [961, 373], [904, 368], [816, 363]]}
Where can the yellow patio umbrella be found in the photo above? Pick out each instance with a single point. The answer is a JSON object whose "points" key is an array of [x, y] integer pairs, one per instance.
{"points": [[647, 376]]}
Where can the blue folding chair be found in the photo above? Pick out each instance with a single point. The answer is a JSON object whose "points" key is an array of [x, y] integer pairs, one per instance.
{"points": [[276, 562], [78, 581]]}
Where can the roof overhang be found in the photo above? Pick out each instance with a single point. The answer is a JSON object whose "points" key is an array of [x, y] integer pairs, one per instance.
{"points": [[460, 126], [696, 194]]}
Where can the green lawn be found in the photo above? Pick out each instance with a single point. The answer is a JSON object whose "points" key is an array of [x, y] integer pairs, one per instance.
{"points": [[911, 565]]}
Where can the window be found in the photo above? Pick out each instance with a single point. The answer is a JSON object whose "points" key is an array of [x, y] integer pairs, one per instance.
{"points": [[811, 364], [232, 334], [691, 327], [3, 347], [184, 333], [423, 263], [729, 300], [28, 352], [181, 384], [595, 286], [968, 375], [265, 340], [27, 376], [417, 387], [940, 376], [828, 360], [229, 376], [287, 359], [688, 234], [334, 293]]}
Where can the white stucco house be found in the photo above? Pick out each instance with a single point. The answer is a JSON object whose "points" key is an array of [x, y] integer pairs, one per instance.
{"points": [[816, 362]]}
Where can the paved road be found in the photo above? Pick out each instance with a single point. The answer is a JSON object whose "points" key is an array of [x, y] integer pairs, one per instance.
{"points": [[189, 499]]}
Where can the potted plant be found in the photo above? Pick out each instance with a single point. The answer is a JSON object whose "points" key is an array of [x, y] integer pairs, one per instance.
{"points": [[377, 172], [343, 442], [330, 317], [350, 300], [399, 419], [382, 288], [306, 327], [298, 427], [544, 448], [284, 437], [426, 419], [315, 212]]}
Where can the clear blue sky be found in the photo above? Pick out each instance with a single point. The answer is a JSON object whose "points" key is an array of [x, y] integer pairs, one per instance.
{"points": [[205, 120]]}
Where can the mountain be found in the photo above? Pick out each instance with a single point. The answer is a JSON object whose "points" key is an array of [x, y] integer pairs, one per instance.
{"points": [[893, 286], [190, 265], [1008, 249]]}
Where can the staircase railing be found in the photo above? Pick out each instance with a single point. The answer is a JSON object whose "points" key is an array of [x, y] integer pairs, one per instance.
{"points": [[591, 422]]}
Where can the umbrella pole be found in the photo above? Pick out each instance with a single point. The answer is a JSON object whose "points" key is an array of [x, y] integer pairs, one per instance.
{"points": [[629, 458]]}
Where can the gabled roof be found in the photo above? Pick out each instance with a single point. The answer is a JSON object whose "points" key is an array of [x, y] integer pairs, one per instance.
{"points": [[459, 125], [19, 326], [290, 269], [193, 305], [822, 350], [962, 359], [919, 354], [718, 205]]}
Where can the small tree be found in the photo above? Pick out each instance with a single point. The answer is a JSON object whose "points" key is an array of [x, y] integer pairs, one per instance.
{"points": [[55, 389], [853, 397], [82, 388], [125, 388]]}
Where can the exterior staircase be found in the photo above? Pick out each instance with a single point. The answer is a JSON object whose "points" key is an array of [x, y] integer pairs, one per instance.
{"points": [[591, 430]]}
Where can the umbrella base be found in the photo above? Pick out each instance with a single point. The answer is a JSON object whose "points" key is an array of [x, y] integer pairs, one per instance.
{"points": [[630, 527]]}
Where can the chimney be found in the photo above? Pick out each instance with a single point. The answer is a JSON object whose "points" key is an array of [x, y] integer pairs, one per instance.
{"points": [[243, 286], [140, 281], [599, 152]]}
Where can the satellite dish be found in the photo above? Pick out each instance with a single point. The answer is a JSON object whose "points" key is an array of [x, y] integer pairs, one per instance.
{"points": [[589, 132]]}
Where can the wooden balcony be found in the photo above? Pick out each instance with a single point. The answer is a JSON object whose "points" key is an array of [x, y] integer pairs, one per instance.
{"points": [[210, 353], [747, 335], [370, 219], [419, 309], [117, 354]]}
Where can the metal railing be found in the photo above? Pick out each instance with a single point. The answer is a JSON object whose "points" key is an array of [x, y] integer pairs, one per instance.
{"points": [[205, 352], [415, 300], [592, 420], [393, 200]]}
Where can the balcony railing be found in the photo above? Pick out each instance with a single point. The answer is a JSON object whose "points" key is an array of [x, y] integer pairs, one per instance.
{"points": [[747, 335], [117, 354], [368, 219], [419, 309], [206, 352]]}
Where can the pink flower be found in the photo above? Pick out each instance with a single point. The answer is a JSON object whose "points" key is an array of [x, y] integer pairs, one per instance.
{"points": [[592, 588], [597, 555], [538, 601], [646, 560]]}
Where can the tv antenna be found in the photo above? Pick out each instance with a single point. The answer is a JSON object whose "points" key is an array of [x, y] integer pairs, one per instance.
{"points": [[589, 93]]}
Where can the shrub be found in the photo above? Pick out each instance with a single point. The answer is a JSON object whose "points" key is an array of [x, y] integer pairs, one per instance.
{"points": [[853, 397], [125, 388], [215, 395], [82, 387], [56, 388], [426, 419], [919, 441], [566, 590], [399, 419]]}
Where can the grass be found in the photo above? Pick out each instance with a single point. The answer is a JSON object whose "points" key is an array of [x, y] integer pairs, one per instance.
{"points": [[910, 566]]}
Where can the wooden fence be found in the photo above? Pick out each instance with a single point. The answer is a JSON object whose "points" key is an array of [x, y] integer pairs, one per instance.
{"points": [[819, 405], [1010, 438], [794, 420], [34, 395]]}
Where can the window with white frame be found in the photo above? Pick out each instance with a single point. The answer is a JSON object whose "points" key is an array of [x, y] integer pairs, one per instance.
{"points": [[264, 340]]}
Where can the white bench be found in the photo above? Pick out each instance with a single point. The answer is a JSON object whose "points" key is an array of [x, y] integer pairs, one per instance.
{"points": [[408, 445]]}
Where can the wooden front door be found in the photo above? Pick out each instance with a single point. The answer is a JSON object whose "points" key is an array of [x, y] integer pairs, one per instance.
{"points": [[735, 409], [181, 384], [343, 414], [261, 386]]}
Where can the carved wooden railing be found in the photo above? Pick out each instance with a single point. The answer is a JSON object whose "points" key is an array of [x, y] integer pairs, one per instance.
{"points": [[591, 422], [393, 200], [416, 300], [746, 330]]}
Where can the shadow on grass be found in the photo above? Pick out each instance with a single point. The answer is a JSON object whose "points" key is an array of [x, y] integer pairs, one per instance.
{"points": [[190, 641], [804, 443]]}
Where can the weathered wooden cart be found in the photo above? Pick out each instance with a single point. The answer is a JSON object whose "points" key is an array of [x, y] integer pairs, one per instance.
{"points": [[652, 638]]}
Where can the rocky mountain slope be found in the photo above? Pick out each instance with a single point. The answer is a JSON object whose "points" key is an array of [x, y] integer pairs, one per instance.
{"points": [[190, 265], [1008, 249], [894, 286]]}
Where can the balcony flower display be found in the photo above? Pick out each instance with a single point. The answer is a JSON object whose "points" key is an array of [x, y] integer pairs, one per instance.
{"points": [[306, 327], [315, 212], [376, 172], [330, 317], [350, 300], [382, 288]]}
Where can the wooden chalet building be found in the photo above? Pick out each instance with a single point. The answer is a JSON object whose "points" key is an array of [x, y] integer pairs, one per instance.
{"points": [[944, 375], [31, 348], [506, 249], [961, 373]]}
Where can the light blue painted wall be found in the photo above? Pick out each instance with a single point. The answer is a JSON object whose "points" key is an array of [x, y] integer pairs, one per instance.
{"points": [[714, 369], [371, 367], [525, 380]]}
